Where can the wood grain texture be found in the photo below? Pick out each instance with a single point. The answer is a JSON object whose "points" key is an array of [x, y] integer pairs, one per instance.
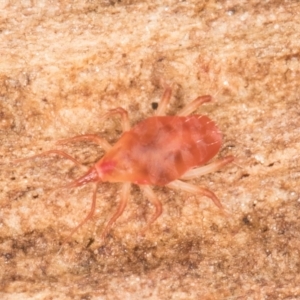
{"points": [[63, 65]]}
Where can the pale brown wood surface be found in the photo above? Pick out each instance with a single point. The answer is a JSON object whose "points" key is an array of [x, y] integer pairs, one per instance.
{"points": [[63, 64]]}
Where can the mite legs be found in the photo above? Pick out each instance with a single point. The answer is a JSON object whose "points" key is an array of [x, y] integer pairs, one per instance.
{"points": [[92, 137], [124, 117], [97, 139], [187, 187], [189, 108], [57, 152], [212, 167], [161, 110], [153, 199], [196, 172], [89, 215], [124, 200], [106, 146]]}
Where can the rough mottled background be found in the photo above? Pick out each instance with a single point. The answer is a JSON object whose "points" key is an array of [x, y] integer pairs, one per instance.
{"points": [[64, 63]]}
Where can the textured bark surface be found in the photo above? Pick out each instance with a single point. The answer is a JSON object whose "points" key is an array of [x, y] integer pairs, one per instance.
{"points": [[65, 63]]}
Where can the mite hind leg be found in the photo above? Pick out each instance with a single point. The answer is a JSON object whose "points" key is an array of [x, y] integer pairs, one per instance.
{"points": [[212, 167], [192, 106], [190, 188], [153, 199]]}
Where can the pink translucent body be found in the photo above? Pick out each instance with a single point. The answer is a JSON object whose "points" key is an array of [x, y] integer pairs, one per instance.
{"points": [[160, 149]]}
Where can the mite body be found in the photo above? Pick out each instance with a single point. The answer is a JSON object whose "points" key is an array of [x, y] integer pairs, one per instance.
{"points": [[159, 150]]}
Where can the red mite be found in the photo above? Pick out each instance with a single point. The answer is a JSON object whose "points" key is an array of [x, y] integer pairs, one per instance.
{"points": [[159, 150]]}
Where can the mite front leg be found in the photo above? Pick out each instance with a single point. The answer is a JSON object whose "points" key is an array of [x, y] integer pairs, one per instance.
{"points": [[161, 110], [92, 137], [89, 215], [124, 117], [49, 152], [192, 106], [97, 139], [124, 200]]}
